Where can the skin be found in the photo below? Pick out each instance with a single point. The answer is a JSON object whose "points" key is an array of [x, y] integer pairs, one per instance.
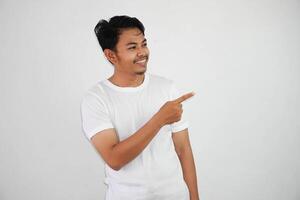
{"points": [[132, 47]]}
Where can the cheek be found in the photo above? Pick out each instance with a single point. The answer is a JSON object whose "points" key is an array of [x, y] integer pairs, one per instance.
{"points": [[127, 57], [131, 57]]}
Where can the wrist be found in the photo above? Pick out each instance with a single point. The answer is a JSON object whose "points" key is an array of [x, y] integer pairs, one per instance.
{"points": [[158, 120]]}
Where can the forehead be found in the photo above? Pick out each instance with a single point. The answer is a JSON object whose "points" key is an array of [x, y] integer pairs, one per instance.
{"points": [[130, 35]]}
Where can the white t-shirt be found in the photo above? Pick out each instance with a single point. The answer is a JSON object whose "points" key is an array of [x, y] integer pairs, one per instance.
{"points": [[156, 172]]}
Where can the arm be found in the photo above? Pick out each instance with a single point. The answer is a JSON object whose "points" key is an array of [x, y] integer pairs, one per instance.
{"points": [[116, 154], [185, 155]]}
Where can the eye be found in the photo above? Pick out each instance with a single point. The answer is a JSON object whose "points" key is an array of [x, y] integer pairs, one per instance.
{"points": [[133, 47], [145, 44]]}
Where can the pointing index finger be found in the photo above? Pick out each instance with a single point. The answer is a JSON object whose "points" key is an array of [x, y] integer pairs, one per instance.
{"points": [[184, 97]]}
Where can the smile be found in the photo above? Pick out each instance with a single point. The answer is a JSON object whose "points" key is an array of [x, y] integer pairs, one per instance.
{"points": [[141, 61]]}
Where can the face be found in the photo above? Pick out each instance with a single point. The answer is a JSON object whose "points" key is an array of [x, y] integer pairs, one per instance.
{"points": [[132, 53]]}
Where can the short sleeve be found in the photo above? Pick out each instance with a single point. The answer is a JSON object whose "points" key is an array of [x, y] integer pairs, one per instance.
{"points": [[94, 115], [183, 123]]}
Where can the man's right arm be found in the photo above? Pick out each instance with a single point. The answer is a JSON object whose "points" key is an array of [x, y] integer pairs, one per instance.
{"points": [[117, 154]]}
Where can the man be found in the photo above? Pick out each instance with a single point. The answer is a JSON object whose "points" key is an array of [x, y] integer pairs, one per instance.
{"points": [[134, 120]]}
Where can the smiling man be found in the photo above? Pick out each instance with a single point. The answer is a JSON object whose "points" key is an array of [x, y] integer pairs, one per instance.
{"points": [[135, 121]]}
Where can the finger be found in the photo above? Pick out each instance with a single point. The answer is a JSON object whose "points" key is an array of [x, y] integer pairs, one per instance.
{"points": [[184, 97]]}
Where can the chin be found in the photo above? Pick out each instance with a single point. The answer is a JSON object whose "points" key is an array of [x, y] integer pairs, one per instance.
{"points": [[141, 72]]}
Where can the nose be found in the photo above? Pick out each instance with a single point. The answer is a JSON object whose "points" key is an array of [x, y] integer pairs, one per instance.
{"points": [[141, 52]]}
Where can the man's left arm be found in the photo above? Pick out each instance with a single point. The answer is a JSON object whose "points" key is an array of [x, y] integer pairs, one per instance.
{"points": [[185, 155]]}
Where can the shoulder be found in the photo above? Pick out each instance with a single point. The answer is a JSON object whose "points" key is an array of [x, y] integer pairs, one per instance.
{"points": [[94, 94]]}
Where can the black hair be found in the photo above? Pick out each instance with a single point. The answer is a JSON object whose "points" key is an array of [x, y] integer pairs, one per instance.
{"points": [[108, 32]]}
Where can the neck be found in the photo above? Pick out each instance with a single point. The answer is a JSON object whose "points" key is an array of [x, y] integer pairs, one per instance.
{"points": [[127, 80]]}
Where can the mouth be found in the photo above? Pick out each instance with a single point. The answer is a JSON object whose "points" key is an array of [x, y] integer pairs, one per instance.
{"points": [[142, 62]]}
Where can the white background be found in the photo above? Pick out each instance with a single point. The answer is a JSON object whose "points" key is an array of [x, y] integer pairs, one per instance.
{"points": [[242, 59]]}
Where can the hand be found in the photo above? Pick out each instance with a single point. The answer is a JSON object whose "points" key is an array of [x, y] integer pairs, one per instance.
{"points": [[171, 111]]}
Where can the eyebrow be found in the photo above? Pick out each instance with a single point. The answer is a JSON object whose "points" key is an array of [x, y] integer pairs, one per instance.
{"points": [[134, 43]]}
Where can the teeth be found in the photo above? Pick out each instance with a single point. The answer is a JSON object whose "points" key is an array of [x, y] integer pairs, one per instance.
{"points": [[141, 61]]}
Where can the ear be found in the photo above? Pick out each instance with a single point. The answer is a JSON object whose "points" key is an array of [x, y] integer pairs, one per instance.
{"points": [[110, 55]]}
